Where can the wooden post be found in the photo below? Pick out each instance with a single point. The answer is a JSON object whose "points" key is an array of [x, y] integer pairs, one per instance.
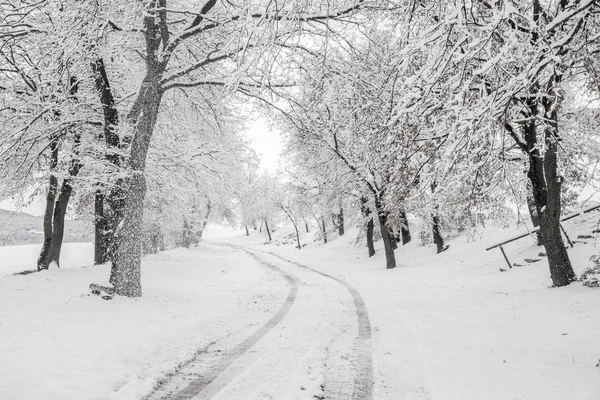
{"points": [[506, 258]]}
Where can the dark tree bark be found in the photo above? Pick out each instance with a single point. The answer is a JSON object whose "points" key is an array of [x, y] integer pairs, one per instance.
{"points": [[306, 225], [60, 209], [44, 257], [104, 220], [101, 240], [534, 213], [268, 231], [390, 258], [324, 229], [404, 230], [341, 229], [370, 226], [438, 239], [58, 223], [541, 107], [247, 233], [370, 242], [546, 188]]}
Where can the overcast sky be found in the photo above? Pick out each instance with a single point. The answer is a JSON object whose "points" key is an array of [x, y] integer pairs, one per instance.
{"points": [[266, 142]]}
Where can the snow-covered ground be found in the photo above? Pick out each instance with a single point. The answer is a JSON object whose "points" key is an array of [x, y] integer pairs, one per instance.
{"points": [[59, 342], [452, 326], [24, 257], [448, 326]]}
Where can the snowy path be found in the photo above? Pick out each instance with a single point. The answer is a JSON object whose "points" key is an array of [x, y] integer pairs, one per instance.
{"points": [[309, 349]]}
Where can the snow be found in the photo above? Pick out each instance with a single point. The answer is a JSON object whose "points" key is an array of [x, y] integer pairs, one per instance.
{"points": [[447, 326], [24, 257], [452, 326], [59, 341]]}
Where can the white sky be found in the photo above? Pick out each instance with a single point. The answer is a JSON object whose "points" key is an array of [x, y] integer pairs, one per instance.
{"points": [[266, 142]]}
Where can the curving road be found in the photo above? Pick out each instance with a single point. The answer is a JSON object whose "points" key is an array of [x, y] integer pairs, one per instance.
{"points": [[318, 345]]}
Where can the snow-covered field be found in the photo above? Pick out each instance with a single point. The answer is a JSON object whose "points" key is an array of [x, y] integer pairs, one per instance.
{"points": [[24, 257], [448, 326]]}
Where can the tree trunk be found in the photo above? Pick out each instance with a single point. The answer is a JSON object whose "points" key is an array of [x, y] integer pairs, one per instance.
{"points": [[105, 220], [341, 229], [404, 231], [534, 213], [44, 257], [370, 226], [129, 206], [60, 209], [100, 227], [438, 239], [323, 227], [58, 224], [390, 258], [268, 231], [546, 188], [247, 233], [306, 225], [370, 244], [127, 257]]}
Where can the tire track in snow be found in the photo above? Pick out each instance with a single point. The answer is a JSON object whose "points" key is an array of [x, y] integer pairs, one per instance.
{"points": [[198, 385], [363, 380]]}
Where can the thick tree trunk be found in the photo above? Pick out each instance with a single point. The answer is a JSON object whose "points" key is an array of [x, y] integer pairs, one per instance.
{"points": [[404, 231], [341, 229], [390, 258], [44, 257], [324, 229], [129, 207], [546, 185], [127, 257], [58, 224], [268, 231]]}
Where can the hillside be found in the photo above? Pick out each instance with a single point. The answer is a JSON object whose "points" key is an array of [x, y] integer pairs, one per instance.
{"points": [[18, 228]]}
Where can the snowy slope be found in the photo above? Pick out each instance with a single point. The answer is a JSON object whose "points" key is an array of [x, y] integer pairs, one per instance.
{"points": [[21, 228]]}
